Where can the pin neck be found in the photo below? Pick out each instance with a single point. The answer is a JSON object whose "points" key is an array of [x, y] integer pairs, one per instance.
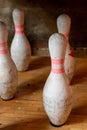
{"points": [[66, 35], [5, 51], [57, 66], [57, 71], [3, 44], [71, 53], [3, 48], [57, 61], [19, 29]]}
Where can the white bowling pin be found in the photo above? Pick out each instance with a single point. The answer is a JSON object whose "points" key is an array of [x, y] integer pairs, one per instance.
{"points": [[8, 70], [63, 25], [20, 47], [57, 94]]}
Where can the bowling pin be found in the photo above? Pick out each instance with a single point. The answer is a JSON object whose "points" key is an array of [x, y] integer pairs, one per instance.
{"points": [[63, 25], [57, 93], [20, 47], [8, 70]]}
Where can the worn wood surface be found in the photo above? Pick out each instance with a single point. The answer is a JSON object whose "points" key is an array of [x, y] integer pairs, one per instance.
{"points": [[26, 111]]}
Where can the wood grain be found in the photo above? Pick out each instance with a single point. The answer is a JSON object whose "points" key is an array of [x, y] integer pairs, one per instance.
{"points": [[26, 112]]}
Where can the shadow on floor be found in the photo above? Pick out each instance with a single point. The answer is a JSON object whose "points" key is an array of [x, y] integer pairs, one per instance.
{"points": [[29, 124]]}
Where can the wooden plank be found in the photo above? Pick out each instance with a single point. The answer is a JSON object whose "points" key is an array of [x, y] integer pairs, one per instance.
{"points": [[26, 111]]}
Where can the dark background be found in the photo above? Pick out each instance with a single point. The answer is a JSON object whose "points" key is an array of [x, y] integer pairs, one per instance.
{"points": [[40, 20]]}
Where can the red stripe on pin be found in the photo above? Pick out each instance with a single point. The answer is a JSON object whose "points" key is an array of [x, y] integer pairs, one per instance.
{"points": [[57, 71], [66, 34], [20, 32], [19, 26], [57, 61], [3, 51], [71, 54], [3, 44]]}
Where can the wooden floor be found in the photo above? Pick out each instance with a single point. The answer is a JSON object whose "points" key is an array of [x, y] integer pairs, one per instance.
{"points": [[26, 111]]}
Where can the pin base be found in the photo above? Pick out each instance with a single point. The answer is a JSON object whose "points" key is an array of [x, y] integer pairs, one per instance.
{"points": [[56, 125], [8, 99]]}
